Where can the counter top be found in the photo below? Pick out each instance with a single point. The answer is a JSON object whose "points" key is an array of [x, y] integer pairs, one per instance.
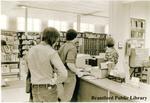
{"points": [[121, 89]]}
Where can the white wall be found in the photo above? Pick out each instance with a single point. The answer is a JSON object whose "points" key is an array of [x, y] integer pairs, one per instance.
{"points": [[119, 27], [147, 35], [138, 10]]}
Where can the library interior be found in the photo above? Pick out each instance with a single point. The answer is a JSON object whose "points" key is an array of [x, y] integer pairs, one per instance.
{"points": [[75, 51]]}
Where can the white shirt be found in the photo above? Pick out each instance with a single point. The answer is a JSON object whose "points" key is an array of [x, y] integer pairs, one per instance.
{"points": [[40, 60]]}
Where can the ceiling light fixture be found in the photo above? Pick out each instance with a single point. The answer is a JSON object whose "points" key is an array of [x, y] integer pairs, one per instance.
{"points": [[22, 6]]}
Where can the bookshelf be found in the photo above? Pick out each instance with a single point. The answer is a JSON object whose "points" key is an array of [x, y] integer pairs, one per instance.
{"points": [[10, 63], [93, 43], [89, 43], [26, 41]]}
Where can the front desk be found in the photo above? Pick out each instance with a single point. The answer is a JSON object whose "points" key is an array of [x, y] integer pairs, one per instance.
{"points": [[105, 90]]}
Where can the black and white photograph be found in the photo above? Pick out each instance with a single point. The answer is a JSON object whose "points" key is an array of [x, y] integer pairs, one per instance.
{"points": [[75, 51]]}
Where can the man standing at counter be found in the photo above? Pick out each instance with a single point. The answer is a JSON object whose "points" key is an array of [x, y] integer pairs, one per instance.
{"points": [[41, 60], [68, 54]]}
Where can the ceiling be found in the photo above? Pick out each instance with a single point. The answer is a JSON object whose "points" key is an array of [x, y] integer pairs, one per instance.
{"points": [[91, 11], [60, 9], [80, 6]]}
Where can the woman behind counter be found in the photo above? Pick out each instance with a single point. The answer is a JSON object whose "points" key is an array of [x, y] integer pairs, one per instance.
{"points": [[111, 53], [41, 61]]}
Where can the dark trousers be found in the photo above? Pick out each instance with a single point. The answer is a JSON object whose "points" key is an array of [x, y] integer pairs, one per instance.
{"points": [[29, 86], [31, 97], [76, 91]]}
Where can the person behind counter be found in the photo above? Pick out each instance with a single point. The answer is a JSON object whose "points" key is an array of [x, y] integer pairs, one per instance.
{"points": [[111, 53], [41, 60], [68, 54]]}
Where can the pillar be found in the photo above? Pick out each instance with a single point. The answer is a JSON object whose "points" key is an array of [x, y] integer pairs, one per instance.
{"points": [[26, 21], [78, 22], [119, 28]]}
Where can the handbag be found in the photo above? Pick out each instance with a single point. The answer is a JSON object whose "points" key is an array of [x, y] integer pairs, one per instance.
{"points": [[28, 83]]}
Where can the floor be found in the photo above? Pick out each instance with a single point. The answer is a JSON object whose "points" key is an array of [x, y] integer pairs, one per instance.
{"points": [[14, 91]]}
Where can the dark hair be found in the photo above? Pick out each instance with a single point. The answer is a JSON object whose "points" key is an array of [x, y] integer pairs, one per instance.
{"points": [[71, 34], [110, 41], [50, 35], [110, 45], [3, 42]]}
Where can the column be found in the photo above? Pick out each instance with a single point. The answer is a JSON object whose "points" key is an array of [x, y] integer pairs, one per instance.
{"points": [[78, 22], [119, 28], [26, 21]]}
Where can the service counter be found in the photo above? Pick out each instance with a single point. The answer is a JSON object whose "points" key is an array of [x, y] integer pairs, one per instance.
{"points": [[105, 90]]}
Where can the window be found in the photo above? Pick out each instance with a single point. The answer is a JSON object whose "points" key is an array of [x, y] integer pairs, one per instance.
{"points": [[20, 24], [59, 25], [29, 25], [91, 28], [64, 26], [3, 22], [107, 29], [51, 23], [33, 25], [75, 26], [36, 25], [84, 27]]}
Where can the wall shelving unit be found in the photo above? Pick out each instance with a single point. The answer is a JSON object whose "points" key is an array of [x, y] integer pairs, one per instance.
{"points": [[10, 63], [89, 43]]}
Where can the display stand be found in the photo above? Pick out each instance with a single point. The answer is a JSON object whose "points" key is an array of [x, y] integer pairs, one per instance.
{"points": [[89, 43], [10, 60], [26, 42], [12, 73]]}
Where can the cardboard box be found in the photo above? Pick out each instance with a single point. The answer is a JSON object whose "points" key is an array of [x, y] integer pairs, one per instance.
{"points": [[99, 73]]}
